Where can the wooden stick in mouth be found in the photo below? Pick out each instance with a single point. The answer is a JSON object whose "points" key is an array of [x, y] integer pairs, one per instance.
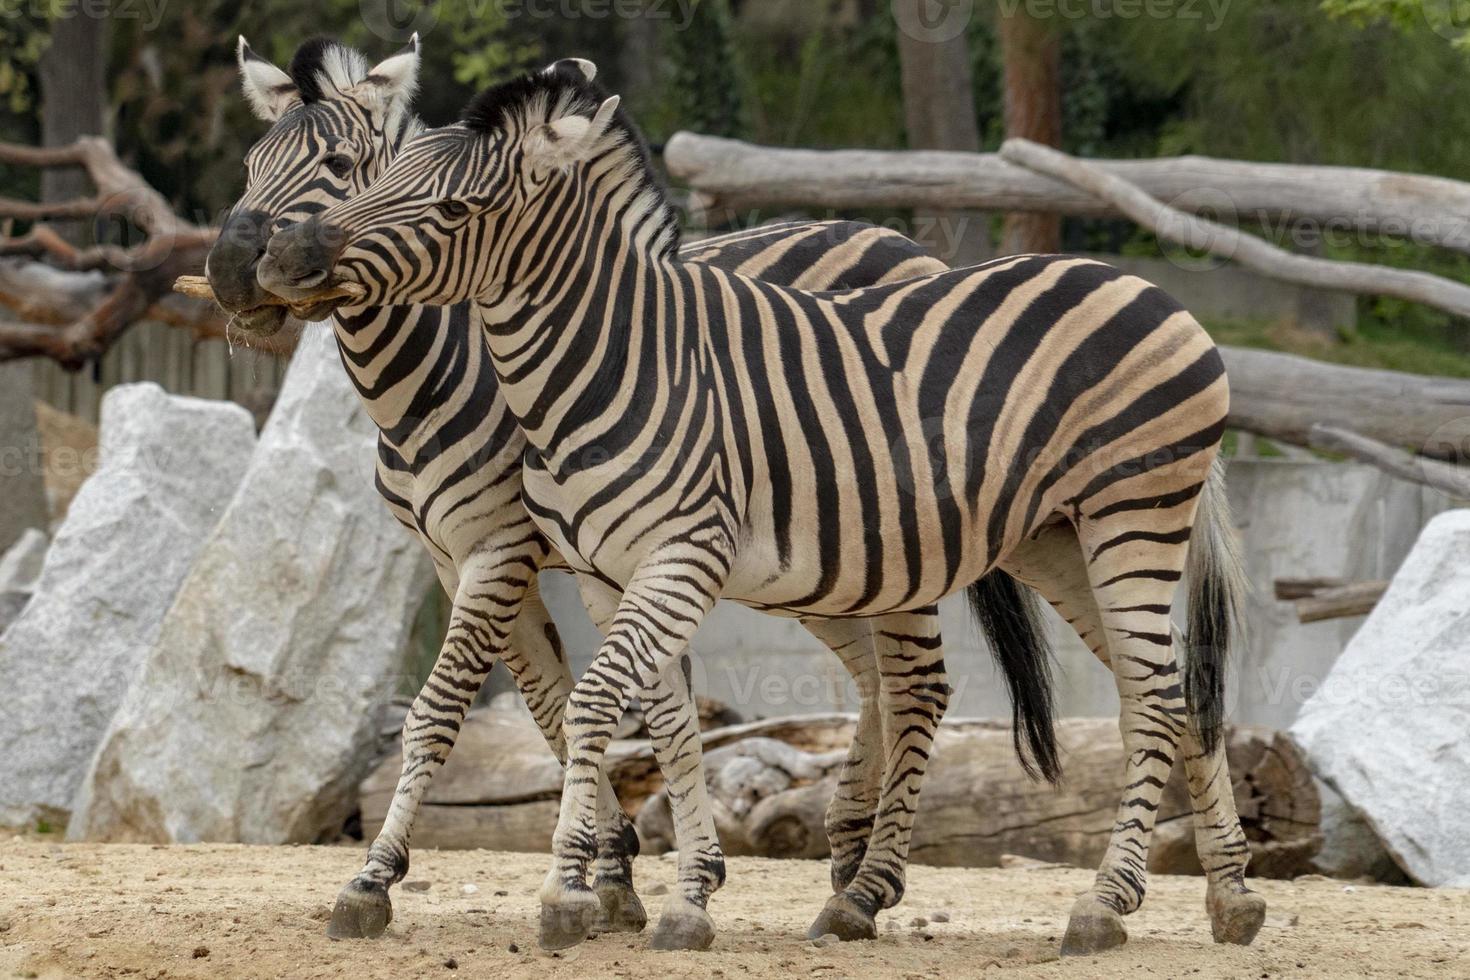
{"points": [[198, 287]]}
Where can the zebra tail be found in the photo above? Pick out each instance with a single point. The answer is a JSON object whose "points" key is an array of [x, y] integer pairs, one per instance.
{"points": [[1218, 588], [1009, 615]]}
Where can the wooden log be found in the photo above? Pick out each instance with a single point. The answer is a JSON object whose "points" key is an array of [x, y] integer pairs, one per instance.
{"points": [[1282, 397], [1356, 599], [737, 176], [770, 782], [1227, 242]]}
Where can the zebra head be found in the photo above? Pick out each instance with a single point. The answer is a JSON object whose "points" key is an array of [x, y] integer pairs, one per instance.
{"points": [[336, 124], [470, 210]]}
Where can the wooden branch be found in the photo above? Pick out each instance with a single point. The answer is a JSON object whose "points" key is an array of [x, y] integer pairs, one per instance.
{"points": [[743, 177], [1445, 477], [1356, 599], [1238, 246], [1291, 589], [119, 189], [199, 288]]}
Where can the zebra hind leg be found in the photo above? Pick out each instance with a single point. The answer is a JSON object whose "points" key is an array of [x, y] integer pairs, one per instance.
{"points": [[849, 821], [1052, 564], [913, 698]]}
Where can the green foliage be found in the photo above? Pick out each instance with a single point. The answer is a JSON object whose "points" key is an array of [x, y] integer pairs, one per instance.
{"points": [[1448, 18], [705, 80], [24, 36]]}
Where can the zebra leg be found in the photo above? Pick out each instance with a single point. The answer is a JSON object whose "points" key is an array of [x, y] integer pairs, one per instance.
{"points": [[662, 606], [913, 697], [612, 870], [1052, 564], [1236, 913], [849, 821], [1134, 564], [479, 626]]}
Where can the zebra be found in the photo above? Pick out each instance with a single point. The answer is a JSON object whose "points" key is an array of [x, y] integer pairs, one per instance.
{"points": [[693, 433], [425, 379]]}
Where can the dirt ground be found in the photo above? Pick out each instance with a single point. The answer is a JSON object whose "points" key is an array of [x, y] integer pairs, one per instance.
{"points": [[229, 911]]}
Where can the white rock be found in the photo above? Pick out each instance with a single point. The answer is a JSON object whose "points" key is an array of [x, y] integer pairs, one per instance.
{"points": [[254, 715], [167, 464], [19, 569], [1389, 728]]}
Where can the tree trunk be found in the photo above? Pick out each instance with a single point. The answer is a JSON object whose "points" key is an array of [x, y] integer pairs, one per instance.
{"points": [[1032, 51], [939, 114], [73, 99], [770, 782]]}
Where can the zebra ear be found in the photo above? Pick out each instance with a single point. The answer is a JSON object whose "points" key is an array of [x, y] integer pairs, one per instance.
{"points": [[269, 90], [569, 140], [393, 79]]}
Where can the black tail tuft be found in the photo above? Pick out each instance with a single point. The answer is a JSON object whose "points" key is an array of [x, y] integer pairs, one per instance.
{"points": [[1204, 669], [1009, 615]]}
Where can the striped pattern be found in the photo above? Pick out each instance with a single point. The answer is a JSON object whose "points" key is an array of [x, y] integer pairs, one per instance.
{"points": [[449, 460], [694, 433]]}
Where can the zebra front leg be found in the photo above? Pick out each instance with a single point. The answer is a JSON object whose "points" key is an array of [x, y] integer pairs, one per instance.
{"points": [[913, 697], [849, 821], [485, 607], [661, 607]]}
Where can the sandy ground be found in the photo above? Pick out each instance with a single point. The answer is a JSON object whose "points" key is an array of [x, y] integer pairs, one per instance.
{"points": [[227, 911]]}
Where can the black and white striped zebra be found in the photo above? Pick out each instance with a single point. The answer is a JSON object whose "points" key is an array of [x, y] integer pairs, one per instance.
{"points": [[449, 453], [694, 433]]}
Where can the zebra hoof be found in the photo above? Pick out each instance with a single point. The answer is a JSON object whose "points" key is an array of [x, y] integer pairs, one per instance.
{"points": [[683, 926], [1235, 916], [622, 911], [569, 921], [363, 911], [845, 919], [1093, 928]]}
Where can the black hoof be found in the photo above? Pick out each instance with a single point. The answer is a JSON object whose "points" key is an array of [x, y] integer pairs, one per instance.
{"points": [[845, 919], [684, 927], [567, 924], [363, 911], [1236, 917], [622, 911], [1093, 928]]}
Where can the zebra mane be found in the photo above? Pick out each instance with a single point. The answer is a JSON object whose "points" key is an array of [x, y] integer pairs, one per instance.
{"points": [[528, 100], [323, 67]]}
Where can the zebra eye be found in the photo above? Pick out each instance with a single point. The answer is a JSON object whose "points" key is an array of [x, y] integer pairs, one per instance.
{"points": [[452, 209], [339, 164]]}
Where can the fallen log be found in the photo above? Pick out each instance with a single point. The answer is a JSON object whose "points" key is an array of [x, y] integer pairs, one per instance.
{"points": [[730, 175], [770, 782]]}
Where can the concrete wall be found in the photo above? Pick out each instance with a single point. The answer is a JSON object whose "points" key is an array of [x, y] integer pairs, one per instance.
{"points": [[1298, 519]]}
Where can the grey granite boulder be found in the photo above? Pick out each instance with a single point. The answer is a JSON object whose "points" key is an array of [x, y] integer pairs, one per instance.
{"points": [[168, 465], [1389, 728], [253, 717], [20, 567]]}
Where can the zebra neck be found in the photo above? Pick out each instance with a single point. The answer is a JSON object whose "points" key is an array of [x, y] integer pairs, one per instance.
{"points": [[407, 363]]}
